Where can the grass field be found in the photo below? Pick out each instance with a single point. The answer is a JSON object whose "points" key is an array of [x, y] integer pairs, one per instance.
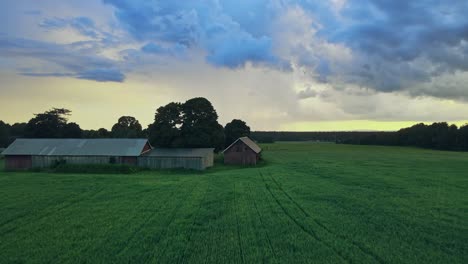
{"points": [[310, 203]]}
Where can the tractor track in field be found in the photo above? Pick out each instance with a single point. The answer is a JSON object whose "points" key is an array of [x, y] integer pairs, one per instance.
{"points": [[171, 220], [308, 231], [354, 243], [263, 224], [148, 219], [239, 242], [106, 240], [67, 203], [192, 226]]}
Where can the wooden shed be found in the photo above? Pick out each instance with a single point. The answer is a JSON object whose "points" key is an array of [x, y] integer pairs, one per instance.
{"points": [[171, 158], [42, 153], [243, 151]]}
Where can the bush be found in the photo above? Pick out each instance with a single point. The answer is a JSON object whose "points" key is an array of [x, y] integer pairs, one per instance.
{"points": [[97, 168]]}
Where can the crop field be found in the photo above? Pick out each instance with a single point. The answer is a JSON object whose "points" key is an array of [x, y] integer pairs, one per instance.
{"points": [[308, 203]]}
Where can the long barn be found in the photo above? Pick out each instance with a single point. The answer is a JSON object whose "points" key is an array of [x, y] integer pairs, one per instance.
{"points": [[187, 158], [41, 153]]}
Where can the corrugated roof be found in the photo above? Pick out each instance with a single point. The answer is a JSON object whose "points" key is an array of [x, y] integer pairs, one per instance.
{"points": [[77, 147], [252, 145], [179, 152]]}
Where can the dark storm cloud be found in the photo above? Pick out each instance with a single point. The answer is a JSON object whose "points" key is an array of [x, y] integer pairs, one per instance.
{"points": [[404, 31]]}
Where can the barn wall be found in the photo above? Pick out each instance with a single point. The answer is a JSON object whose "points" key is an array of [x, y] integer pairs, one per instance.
{"points": [[18, 162], [129, 160], [208, 160], [195, 163], [240, 154], [47, 161]]}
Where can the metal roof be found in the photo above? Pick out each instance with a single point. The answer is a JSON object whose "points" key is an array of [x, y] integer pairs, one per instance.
{"points": [[179, 152], [77, 147], [247, 141]]}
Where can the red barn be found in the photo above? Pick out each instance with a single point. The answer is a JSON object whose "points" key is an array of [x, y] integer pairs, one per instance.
{"points": [[242, 152]]}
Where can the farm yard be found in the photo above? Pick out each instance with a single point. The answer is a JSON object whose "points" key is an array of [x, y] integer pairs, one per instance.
{"points": [[307, 203]]}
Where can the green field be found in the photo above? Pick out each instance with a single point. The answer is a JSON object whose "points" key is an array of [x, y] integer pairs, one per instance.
{"points": [[310, 203]]}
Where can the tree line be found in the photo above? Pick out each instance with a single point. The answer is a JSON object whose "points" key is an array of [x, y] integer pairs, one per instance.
{"points": [[441, 136], [193, 123]]}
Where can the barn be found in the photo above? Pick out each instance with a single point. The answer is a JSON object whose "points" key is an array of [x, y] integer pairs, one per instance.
{"points": [[243, 151], [170, 158], [41, 153]]}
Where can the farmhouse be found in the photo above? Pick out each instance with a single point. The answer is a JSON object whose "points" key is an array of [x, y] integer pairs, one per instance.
{"points": [[187, 158], [242, 152], [41, 153]]}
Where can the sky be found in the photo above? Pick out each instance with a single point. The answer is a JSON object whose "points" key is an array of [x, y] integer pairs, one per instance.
{"points": [[297, 65]]}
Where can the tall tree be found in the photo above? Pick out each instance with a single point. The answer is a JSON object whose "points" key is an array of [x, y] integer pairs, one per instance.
{"points": [[234, 130], [200, 127], [164, 132], [48, 124], [126, 127], [4, 134]]}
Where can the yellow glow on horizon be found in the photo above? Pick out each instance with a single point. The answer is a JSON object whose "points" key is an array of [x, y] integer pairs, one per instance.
{"points": [[100, 104], [358, 125]]}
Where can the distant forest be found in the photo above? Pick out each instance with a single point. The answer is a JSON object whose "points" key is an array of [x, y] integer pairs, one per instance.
{"points": [[436, 136]]}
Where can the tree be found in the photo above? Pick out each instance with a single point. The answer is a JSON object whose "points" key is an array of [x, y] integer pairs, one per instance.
{"points": [[200, 127], [193, 124], [463, 137], [71, 130], [17, 130], [48, 124], [165, 131], [4, 134], [234, 130], [103, 133], [453, 138], [126, 127]]}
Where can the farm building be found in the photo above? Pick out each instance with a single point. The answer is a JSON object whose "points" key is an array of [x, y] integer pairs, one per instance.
{"points": [[41, 153], [187, 158], [242, 152]]}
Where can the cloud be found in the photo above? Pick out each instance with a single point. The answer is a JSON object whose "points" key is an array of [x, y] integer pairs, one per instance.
{"points": [[34, 12], [177, 50], [83, 25], [307, 93], [197, 25], [102, 75], [404, 43], [404, 47], [66, 57], [47, 74]]}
